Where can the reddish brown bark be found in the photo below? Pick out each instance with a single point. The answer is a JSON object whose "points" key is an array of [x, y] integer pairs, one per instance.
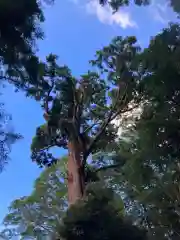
{"points": [[75, 175]]}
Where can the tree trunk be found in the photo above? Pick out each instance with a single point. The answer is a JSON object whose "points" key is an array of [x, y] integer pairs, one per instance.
{"points": [[75, 177]]}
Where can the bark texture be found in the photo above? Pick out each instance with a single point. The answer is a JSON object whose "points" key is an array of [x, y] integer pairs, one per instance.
{"points": [[75, 177]]}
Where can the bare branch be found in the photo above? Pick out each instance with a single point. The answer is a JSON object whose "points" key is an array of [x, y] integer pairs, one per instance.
{"points": [[90, 127], [46, 99], [52, 145]]}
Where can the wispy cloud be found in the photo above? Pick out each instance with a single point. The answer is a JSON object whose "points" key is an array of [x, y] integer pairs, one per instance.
{"points": [[161, 11], [104, 14]]}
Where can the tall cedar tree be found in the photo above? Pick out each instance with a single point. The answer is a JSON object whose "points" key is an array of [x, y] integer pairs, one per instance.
{"points": [[79, 112]]}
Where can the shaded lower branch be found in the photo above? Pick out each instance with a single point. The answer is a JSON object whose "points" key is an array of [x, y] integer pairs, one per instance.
{"points": [[104, 168]]}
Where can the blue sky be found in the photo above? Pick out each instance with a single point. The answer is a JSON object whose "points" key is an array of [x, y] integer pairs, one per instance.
{"points": [[74, 29]]}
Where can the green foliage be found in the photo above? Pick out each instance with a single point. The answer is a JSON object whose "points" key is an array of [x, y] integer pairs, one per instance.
{"points": [[95, 217], [8, 137], [151, 172], [175, 5], [40, 213], [19, 28], [116, 4]]}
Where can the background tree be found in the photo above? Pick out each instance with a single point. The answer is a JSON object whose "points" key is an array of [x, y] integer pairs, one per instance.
{"points": [[7, 136], [19, 30], [151, 172], [39, 214], [116, 4]]}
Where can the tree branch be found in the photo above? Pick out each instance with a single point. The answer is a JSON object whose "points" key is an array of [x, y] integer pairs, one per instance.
{"points": [[46, 98], [89, 128], [9, 79], [104, 168], [51, 145], [104, 125]]}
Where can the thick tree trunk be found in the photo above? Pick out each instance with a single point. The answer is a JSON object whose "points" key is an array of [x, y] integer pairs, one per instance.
{"points": [[75, 178]]}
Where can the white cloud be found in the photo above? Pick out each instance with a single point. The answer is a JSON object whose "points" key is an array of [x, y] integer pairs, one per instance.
{"points": [[104, 14], [122, 18]]}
